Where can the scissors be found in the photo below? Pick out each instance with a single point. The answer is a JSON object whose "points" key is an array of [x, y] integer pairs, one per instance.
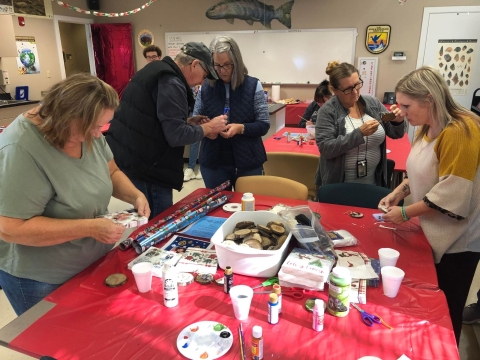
{"points": [[268, 282], [367, 318]]}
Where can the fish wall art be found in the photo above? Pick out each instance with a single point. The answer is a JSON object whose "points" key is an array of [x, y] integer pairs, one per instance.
{"points": [[251, 11]]}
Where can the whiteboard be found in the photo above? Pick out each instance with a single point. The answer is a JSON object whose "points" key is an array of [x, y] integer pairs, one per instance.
{"points": [[281, 56]]}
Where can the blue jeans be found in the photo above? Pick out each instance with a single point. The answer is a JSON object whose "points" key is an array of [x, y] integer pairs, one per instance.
{"points": [[192, 158], [24, 293], [159, 198], [217, 176]]}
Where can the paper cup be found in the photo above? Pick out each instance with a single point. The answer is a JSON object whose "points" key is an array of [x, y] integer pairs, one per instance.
{"points": [[143, 276], [311, 131], [241, 296], [388, 257], [391, 278]]}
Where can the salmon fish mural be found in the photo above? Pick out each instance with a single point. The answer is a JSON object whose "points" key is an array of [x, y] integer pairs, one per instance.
{"points": [[251, 11]]}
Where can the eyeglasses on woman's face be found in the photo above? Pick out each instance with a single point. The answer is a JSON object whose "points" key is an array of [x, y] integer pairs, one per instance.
{"points": [[350, 89], [226, 67]]}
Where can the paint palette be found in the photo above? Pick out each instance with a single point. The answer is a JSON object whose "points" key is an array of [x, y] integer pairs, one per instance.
{"points": [[204, 340]]}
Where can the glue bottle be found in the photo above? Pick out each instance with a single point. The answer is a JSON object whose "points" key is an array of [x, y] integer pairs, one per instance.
{"points": [[248, 202], [288, 137], [277, 289], [170, 287], [273, 309], [339, 291], [318, 315], [257, 343], [227, 279]]}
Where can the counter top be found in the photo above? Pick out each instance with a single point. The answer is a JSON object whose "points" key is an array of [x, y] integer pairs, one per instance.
{"points": [[12, 103]]}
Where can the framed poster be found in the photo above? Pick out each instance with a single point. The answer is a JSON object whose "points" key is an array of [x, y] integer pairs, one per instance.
{"points": [[368, 67]]}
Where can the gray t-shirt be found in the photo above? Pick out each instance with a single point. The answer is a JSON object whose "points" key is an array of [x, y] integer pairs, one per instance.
{"points": [[37, 179]]}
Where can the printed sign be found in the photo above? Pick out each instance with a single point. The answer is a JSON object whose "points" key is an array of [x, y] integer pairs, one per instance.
{"points": [[367, 68], [377, 38], [27, 55]]}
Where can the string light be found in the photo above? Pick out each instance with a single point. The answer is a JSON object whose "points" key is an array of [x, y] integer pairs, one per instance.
{"points": [[104, 14]]}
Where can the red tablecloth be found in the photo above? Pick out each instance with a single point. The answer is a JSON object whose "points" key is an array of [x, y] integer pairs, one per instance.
{"points": [[293, 113], [92, 321], [399, 148]]}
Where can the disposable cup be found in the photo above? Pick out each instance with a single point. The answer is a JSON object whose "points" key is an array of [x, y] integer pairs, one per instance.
{"points": [[388, 257], [143, 276], [391, 278], [311, 131], [241, 296]]}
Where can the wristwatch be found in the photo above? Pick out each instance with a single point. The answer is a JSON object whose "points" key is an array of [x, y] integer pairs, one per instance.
{"points": [[243, 129]]}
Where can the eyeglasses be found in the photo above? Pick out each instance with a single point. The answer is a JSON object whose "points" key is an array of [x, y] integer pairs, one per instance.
{"points": [[154, 57], [226, 67], [349, 90]]}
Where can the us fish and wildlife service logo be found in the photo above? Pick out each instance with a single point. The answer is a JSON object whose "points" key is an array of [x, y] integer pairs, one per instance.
{"points": [[378, 38]]}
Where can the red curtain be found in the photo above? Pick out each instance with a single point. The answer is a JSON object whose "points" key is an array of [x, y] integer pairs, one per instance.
{"points": [[113, 49]]}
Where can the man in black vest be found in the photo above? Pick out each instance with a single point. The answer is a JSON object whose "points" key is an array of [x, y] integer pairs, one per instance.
{"points": [[151, 127]]}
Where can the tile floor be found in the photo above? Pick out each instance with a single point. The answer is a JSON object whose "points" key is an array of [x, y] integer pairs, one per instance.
{"points": [[469, 345]]}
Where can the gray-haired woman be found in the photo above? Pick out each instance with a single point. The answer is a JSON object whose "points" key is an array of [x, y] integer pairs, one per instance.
{"points": [[239, 150]]}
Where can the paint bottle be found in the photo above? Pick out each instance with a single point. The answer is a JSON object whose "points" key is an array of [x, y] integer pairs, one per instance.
{"points": [[265, 93], [273, 309], [227, 279], [318, 315], [288, 137], [339, 291], [257, 343], [248, 202], [277, 289], [170, 287]]}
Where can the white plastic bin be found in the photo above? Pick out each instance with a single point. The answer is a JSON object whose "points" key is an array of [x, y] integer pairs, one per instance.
{"points": [[247, 261]]}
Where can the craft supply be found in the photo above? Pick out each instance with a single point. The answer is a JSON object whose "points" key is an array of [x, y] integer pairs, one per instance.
{"points": [[200, 261], [257, 343], [220, 281], [384, 323], [318, 315], [232, 207], [273, 309], [138, 236], [339, 292], [358, 291], [355, 214], [157, 257], [367, 318], [310, 303], [242, 344], [128, 218], [184, 279], [242, 348], [288, 137], [268, 282], [115, 280], [248, 202], [277, 289], [342, 238], [204, 279], [383, 208], [170, 287], [227, 280]]}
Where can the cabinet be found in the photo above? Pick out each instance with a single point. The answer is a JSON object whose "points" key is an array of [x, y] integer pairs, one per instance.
{"points": [[8, 48]]}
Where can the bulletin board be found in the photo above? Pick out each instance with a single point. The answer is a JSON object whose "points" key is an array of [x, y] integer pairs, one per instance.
{"points": [[281, 56]]}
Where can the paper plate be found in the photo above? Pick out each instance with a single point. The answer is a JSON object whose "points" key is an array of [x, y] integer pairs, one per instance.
{"points": [[204, 340]]}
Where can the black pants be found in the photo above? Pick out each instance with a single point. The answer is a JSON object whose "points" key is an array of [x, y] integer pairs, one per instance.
{"points": [[455, 274]]}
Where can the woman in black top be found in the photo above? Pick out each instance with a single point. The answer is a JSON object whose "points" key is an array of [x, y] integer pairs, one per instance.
{"points": [[322, 95]]}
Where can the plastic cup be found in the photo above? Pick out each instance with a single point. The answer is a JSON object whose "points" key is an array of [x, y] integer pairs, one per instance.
{"points": [[241, 296], [391, 278], [143, 276], [388, 257], [311, 131]]}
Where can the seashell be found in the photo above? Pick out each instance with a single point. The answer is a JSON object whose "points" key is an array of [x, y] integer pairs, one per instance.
{"points": [[457, 49], [464, 47], [441, 51], [467, 76], [455, 79], [468, 70], [469, 51], [449, 49], [466, 82], [460, 83], [461, 74], [447, 58], [456, 58], [452, 67], [440, 65], [469, 60], [445, 68], [449, 75], [462, 59], [448, 82]]}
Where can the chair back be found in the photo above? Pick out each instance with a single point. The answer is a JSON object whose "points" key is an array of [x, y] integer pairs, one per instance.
{"points": [[390, 168], [272, 186], [294, 166], [353, 194]]}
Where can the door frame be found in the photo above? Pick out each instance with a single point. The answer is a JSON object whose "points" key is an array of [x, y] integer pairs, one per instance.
{"points": [[88, 33]]}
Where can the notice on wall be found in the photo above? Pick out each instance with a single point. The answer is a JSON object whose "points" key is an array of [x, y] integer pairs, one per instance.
{"points": [[174, 44], [454, 61], [368, 73], [6, 7], [27, 55]]}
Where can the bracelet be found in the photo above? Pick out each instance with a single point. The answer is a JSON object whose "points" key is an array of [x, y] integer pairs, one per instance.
{"points": [[404, 214]]}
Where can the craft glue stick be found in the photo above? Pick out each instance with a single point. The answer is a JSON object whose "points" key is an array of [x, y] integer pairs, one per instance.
{"points": [[273, 309], [257, 343], [277, 289], [318, 315]]}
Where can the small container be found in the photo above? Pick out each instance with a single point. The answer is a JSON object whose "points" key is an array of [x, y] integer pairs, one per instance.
{"points": [[265, 93], [318, 315], [248, 202], [170, 287], [277, 289], [273, 309], [257, 343], [227, 279], [339, 292], [288, 137]]}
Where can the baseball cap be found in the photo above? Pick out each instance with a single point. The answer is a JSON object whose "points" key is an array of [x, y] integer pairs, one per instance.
{"points": [[199, 51]]}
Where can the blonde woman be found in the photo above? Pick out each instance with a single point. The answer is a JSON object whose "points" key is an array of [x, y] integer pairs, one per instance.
{"points": [[443, 181], [57, 174]]}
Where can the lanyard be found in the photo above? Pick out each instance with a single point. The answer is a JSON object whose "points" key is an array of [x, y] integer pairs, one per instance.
{"points": [[366, 143]]}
